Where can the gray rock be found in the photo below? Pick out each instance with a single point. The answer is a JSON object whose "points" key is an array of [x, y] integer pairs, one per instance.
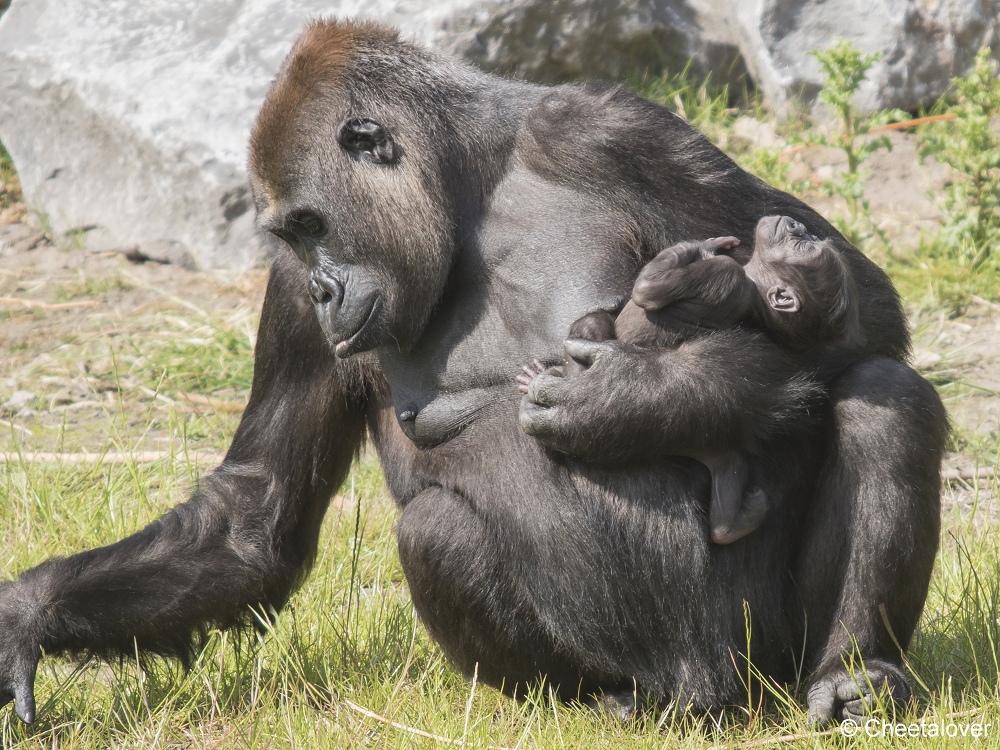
{"points": [[132, 116], [18, 238], [924, 44], [18, 400]]}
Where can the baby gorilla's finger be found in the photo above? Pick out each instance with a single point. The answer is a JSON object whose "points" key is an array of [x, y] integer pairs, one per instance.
{"points": [[529, 373], [719, 244]]}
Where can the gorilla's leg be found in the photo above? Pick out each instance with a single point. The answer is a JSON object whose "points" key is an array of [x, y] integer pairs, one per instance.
{"points": [[244, 540], [872, 535], [462, 582]]}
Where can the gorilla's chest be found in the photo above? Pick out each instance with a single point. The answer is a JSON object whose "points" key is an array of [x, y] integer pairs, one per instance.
{"points": [[512, 296]]}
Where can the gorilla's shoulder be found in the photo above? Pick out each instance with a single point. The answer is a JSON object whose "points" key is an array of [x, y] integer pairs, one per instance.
{"points": [[595, 134]]}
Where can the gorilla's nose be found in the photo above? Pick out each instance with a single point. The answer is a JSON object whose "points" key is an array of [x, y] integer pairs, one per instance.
{"points": [[793, 227], [325, 289]]}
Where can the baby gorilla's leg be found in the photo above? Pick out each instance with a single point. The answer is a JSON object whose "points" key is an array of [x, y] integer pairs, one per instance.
{"points": [[734, 511]]}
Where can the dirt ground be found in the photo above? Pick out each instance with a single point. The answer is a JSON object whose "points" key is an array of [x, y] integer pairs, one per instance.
{"points": [[60, 306]]}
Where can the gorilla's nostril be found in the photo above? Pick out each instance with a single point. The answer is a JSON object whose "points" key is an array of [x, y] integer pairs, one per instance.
{"points": [[319, 294], [325, 290]]}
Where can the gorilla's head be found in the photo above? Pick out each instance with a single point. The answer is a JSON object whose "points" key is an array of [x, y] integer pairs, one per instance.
{"points": [[355, 164]]}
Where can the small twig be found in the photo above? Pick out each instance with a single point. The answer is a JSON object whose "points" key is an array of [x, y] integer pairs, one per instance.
{"points": [[888, 126], [218, 404], [142, 457], [15, 426], [413, 730], [955, 475], [783, 739], [984, 302], [31, 303], [157, 395], [914, 122]]}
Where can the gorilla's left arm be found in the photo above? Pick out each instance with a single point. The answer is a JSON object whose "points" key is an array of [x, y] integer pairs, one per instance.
{"points": [[237, 548], [721, 391]]}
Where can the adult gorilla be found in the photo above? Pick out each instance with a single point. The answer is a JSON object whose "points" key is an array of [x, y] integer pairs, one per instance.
{"points": [[444, 227]]}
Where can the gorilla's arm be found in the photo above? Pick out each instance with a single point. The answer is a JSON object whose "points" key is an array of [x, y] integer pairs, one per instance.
{"points": [[242, 542], [722, 391]]}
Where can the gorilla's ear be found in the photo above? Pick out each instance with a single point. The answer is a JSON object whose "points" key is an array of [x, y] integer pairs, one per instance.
{"points": [[368, 139], [783, 299]]}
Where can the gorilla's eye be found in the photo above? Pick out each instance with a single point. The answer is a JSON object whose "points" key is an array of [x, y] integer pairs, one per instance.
{"points": [[305, 225]]}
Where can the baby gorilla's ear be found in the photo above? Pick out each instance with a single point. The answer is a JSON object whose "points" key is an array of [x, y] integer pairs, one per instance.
{"points": [[783, 299]]}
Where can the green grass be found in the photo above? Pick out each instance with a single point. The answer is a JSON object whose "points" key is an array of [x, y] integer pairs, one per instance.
{"points": [[91, 288], [350, 634], [928, 278]]}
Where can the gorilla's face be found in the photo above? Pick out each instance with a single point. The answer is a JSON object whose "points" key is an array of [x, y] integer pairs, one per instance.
{"points": [[360, 201]]}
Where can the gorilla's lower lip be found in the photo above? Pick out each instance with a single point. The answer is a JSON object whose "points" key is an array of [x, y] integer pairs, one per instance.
{"points": [[353, 343]]}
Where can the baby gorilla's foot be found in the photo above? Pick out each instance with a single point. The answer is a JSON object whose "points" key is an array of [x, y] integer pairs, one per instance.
{"points": [[751, 516], [620, 706], [529, 373]]}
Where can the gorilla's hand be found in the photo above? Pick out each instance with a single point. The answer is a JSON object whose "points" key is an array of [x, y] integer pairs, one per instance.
{"points": [[600, 414], [19, 653], [716, 392]]}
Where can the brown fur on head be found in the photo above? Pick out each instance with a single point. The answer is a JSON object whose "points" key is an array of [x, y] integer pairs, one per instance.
{"points": [[320, 58]]}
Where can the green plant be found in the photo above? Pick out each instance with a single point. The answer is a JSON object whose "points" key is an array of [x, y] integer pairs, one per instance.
{"points": [[844, 68], [700, 102], [971, 147], [10, 186], [769, 164]]}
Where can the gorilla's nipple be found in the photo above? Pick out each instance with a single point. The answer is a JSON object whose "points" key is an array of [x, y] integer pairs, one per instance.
{"points": [[407, 414]]}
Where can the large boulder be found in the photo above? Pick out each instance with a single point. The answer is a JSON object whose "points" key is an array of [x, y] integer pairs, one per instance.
{"points": [[923, 43], [130, 118]]}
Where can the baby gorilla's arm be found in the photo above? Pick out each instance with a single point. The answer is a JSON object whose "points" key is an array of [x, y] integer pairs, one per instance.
{"points": [[675, 274]]}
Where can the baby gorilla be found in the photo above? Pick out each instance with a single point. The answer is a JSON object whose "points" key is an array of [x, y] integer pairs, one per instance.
{"points": [[796, 288]]}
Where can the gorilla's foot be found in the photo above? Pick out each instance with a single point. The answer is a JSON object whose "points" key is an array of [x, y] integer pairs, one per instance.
{"points": [[837, 694]]}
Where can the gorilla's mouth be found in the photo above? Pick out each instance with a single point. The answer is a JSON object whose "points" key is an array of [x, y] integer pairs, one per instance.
{"points": [[357, 341]]}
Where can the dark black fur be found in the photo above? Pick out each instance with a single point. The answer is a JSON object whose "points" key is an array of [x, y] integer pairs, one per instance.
{"points": [[460, 228]]}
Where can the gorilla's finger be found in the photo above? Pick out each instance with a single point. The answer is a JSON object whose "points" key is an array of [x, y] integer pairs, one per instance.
{"points": [[583, 351], [822, 703], [542, 387], [856, 709], [535, 420]]}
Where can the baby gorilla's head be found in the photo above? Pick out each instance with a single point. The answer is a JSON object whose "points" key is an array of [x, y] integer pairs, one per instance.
{"points": [[808, 291]]}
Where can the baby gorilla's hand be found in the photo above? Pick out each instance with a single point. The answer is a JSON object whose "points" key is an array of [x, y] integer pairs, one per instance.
{"points": [[716, 245], [529, 373]]}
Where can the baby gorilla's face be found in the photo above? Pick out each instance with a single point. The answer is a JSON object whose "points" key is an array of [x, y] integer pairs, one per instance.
{"points": [[782, 239]]}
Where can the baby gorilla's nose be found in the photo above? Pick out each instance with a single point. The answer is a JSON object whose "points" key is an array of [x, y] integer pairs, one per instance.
{"points": [[793, 227]]}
